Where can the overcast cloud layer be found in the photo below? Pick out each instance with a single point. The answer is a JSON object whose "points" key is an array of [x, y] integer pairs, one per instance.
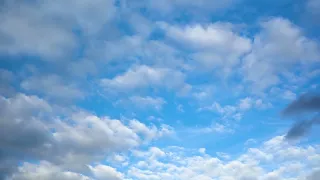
{"points": [[159, 90]]}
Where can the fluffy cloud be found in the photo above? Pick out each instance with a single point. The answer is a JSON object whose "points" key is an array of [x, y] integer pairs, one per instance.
{"points": [[52, 86], [150, 132], [47, 26], [280, 45], [274, 159], [286, 162], [213, 45], [46, 171], [140, 52], [146, 77], [21, 131], [106, 172], [69, 142]]}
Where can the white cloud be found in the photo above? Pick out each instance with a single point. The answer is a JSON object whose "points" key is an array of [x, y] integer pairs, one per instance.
{"points": [[213, 45], [260, 104], [245, 104], [45, 171], [203, 93], [102, 172], [47, 26], [21, 127], [278, 47], [180, 108], [143, 76], [263, 163], [202, 150], [68, 140], [223, 155], [150, 132], [105, 134], [52, 86], [289, 95], [137, 48]]}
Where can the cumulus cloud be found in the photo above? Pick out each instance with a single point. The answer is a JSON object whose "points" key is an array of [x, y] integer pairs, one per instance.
{"points": [[46, 171], [145, 56], [212, 46], [286, 160], [47, 26], [52, 86], [22, 133], [176, 163], [279, 45], [102, 172], [29, 129], [143, 76]]}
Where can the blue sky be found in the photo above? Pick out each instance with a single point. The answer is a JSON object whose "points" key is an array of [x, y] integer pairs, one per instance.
{"points": [[159, 90]]}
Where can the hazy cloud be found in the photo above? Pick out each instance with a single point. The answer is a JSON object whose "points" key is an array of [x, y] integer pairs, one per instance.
{"points": [[306, 105]]}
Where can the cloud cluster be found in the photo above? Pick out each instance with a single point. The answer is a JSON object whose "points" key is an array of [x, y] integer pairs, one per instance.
{"points": [[31, 128], [291, 162], [48, 26], [279, 45]]}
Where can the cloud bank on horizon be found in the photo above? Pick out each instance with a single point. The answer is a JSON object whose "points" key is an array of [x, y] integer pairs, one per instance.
{"points": [[159, 90]]}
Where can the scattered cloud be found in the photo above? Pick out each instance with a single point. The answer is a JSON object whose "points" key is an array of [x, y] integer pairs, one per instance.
{"points": [[173, 66], [236, 111]]}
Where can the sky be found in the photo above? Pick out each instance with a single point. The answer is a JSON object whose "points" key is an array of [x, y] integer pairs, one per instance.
{"points": [[159, 90]]}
